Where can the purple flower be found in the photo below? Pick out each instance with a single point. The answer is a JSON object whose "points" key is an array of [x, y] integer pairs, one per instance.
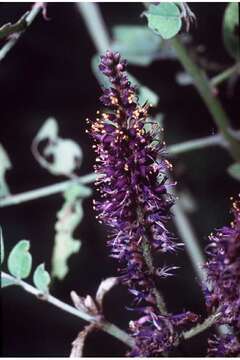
{"points": [[134, 202], [158, 334], [224, 346], [223, 272]]}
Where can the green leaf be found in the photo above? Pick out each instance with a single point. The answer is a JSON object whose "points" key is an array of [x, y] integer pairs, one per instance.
{"points": [[164, 19], [20, 260], [136, 43], [41, 278], [234, 171], [2, 245], [5, 164], [7, 282], [231, 30]]}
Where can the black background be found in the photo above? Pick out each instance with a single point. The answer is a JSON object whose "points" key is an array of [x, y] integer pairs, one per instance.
{"points": [[48, 74]]}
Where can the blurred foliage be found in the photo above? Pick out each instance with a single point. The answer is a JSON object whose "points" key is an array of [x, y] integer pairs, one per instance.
{"points": [[5, 164], [140, 46], [2, 245], [136, 43], [66, 154], [68, 218], [234, 171], [231, 30]]}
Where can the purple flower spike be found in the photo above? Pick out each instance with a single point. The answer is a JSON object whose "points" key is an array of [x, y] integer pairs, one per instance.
{"points": [[223, 271], [224, 346], [134, 202]]}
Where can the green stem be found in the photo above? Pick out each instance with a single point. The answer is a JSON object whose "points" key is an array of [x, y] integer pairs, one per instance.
{"points": [[213, 104], [210, 321], [190, 240], [28, 21], [218, 79], [149, 262], [213, 140], [46, 191], [95, 25], [148, 259], [104, 325]]}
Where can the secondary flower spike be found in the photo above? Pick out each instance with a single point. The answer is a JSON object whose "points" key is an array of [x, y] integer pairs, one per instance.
{"points": [[223, 272], [134, 201], [224, 346]]}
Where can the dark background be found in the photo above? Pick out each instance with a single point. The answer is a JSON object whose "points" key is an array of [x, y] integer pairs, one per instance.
{"points": [[48, 74]]}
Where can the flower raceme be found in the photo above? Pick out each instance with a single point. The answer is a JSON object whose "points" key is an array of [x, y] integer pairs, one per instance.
{"points": [[224, 346], [134, 202], [223, 273], [132, 183]]}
